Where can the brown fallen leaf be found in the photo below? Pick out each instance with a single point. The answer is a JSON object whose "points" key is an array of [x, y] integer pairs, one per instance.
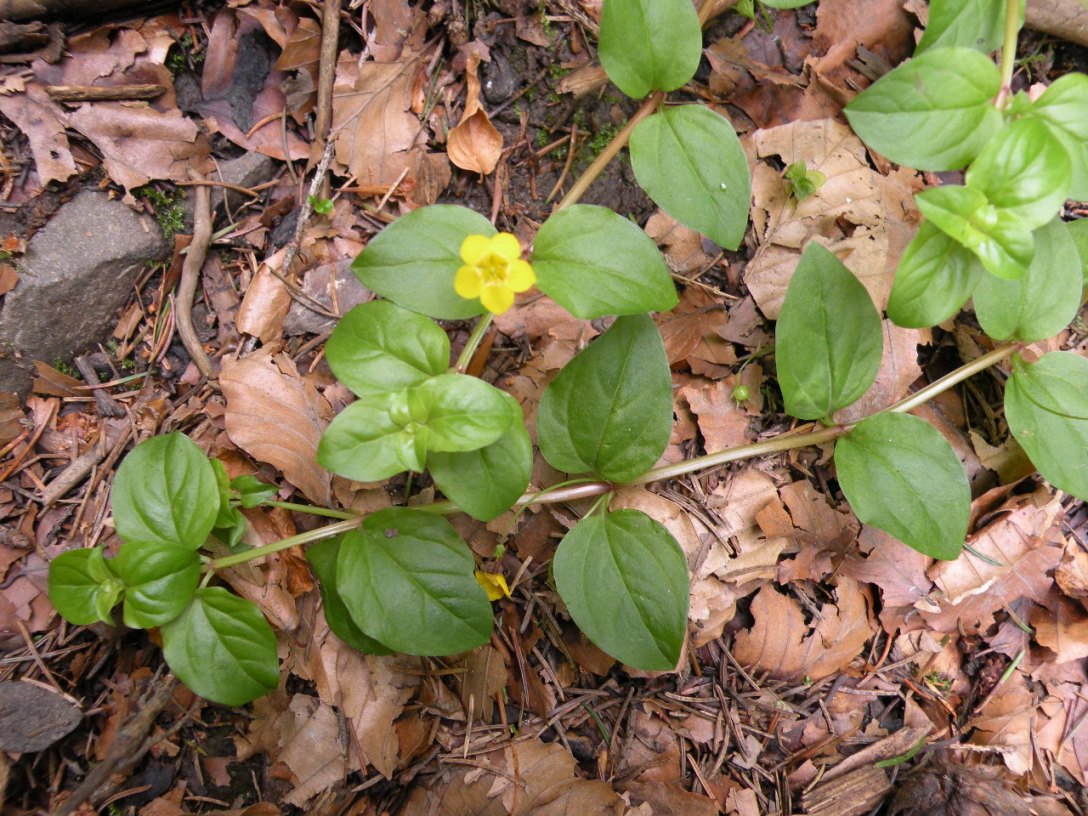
{"points": [[376, 133], [1059, 734], [474, 144], [277, 417], [1026, 545], [139, 144], [527, 778], [1062, 628], [852, 194], [722, 422], [1007, 722], [44, 124], [266, 303], [779, 641], [237, 94]]}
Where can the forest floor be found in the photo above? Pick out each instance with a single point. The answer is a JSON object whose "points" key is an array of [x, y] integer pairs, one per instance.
{"points": [[829, 668]]}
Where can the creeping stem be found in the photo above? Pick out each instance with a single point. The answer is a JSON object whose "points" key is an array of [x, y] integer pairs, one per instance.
{"points": [[473, 342], [800, 438], [1008, 50], [649, 107]]}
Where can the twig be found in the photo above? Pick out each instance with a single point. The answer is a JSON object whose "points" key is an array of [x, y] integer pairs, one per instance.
{"points": [[190, 277], [306, 210], [103, 93], [127, 749], [107, 405], [330, 33]]}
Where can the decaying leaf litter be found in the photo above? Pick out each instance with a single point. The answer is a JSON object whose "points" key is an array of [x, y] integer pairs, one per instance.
{"points": [[818, 646]]}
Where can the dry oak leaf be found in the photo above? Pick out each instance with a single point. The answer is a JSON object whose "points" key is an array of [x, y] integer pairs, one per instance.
{"points": [[528, 778], [377, 136], [853, 194], [1027, 545], [1061, 734], [1063, 629], [1008, 722], [277, 417], [139, 144], [780, 643], [369, 690]]}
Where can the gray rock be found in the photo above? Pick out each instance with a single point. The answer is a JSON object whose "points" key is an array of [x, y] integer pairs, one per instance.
{"points": [[248, 170], [317, 284], [77, 272]]}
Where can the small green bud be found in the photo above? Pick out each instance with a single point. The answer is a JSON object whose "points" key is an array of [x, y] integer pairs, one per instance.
{"points": [[741, 393]]}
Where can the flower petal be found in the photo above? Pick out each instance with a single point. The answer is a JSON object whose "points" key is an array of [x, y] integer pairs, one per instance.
{"points": [[467, 282], [520, 276], [474, 248], [494, 584], [506, 245], [497, 297]]}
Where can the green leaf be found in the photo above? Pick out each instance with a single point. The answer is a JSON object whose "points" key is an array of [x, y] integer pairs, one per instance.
{"points": [[997, 237], [252, 492], [804, 182], [365, 444], [828, 337], [222, 648], [649, 45], [625, 581], [485, 483], [977, 24], [901, 475], [1046, 406], [379, 346], [1040, 304], [165, 490], [1064, 107], [413, 261], [1025, 171], [610, 409], [689, 160], [460, 413], [160, 580], [933, 113], [82, 587], [594, 262], [1078, 231], [377, 437], [322, 557], [407, 580], [936, 276]]}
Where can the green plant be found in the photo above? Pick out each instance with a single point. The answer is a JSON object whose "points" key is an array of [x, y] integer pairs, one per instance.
{"points": [[403, 580], [169, 210]]}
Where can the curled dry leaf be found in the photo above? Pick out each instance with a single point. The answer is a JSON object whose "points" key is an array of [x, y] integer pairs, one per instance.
{"points": [[266, 303], [277, 417], [780, 643], [474, 144]]}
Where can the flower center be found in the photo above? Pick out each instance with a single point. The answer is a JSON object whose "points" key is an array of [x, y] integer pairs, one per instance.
{"points": [[493, 268]]}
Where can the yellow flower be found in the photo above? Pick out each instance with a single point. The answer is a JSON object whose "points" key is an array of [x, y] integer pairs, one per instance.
{"points": [[493, 271], [494, 584]]}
